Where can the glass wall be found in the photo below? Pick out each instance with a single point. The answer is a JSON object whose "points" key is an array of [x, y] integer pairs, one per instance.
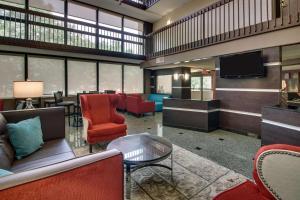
{"points": [[82, 76], [12, 69], [201, 87], [78, 75], [164, 84], [133, 79], [110, 77], [113, 32], [16, 3], [50, 70], [53, 7]]}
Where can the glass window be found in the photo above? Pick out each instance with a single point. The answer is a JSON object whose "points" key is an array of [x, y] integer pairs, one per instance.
{"points": [[81, 12], [196, 83], [55, 7], [133, 26], [207, 82], [164, 84], [16, 3], [82, 76], [12, 68], [110, 20], [110, 77], [49, 70], [133, 79]]}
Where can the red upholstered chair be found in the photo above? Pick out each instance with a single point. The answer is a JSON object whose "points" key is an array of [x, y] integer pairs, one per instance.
{"points": [[1, 105], [276, 176], [136, 105], [100, 120], [122, 102], [92, 177]]}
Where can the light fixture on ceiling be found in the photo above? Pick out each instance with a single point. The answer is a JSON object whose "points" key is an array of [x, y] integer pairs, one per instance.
{"points": [[187, 61], [176, 63]]}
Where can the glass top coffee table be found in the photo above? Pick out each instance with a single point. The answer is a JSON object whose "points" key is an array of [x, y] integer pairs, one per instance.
{"points": [[142, 150]]}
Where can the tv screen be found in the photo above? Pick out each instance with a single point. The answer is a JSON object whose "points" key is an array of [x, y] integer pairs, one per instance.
{"points": [[242, 65]]}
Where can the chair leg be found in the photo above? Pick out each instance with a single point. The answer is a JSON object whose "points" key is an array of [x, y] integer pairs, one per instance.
{"points": [[91, 148]]}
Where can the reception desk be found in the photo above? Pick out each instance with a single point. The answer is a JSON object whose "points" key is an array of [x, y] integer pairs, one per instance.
{"points": [[191, 114], [280, 126]]}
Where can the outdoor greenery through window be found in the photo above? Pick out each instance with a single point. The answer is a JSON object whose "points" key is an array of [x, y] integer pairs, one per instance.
{"points": [[197, 85], [114, 32]]}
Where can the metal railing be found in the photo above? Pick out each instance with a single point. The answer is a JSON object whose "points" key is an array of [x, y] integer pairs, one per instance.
{"points": [[23, 27], [223, 21]]}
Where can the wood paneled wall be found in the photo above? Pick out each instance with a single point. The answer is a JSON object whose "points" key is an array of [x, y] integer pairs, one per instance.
{"points": [[242, 100]]}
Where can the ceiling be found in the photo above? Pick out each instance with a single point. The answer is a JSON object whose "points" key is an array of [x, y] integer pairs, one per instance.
{"points": [[291, 52], [163, 7], [207, 64], [151, 15]]}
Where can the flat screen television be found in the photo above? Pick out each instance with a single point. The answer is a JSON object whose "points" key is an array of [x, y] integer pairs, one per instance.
{"points": [[242, 65]]}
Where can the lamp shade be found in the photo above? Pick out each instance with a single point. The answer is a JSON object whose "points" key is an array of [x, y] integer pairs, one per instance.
{"points": [[28, 89]]}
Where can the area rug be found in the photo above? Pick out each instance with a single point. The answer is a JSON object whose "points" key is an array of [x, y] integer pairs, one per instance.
{"points": [[195, 178]]}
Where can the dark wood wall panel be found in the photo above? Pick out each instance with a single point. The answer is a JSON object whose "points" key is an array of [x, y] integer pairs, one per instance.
{"points": [[279, 135], [247, 101], [240, 123], [271, 81], [282, 115]]}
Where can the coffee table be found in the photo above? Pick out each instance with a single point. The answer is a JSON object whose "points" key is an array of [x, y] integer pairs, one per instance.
{"points": [[142, 150]]}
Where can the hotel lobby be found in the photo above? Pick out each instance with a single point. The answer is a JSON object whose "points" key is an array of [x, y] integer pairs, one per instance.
{"points": [[150, 99]]}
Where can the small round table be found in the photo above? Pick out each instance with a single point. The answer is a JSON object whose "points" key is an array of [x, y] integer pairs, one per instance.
{"points": [[142, 150]]}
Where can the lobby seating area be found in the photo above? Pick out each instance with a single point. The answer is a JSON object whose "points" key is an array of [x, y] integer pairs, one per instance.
{"points": [[149, 100]]}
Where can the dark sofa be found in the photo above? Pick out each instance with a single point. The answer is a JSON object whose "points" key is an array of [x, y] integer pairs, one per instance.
{"points": [[55, 150]]}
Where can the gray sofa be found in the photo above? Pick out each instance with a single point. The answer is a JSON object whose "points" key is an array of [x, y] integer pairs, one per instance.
{"points": [[55, 150]]}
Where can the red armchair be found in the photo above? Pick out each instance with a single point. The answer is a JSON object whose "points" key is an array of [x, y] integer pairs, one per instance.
{"points": [[93, 177], [122, 101], [1, 105], [276, 174], [136, 105], [100, 120]]}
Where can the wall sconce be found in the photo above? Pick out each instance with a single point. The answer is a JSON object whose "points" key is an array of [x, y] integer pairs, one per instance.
{"points": [[185, 76]]}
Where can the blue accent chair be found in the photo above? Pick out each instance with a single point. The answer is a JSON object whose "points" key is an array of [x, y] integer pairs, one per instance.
{"points": [[158, 99]]}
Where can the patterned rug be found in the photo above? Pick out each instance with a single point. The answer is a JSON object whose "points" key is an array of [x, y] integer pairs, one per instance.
{"points": [[195, 178]]}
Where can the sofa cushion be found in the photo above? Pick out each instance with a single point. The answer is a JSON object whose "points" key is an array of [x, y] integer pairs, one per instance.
{"points": [[3, 123], [54, 151], [6, 153], [107, 129], [26, 136]]}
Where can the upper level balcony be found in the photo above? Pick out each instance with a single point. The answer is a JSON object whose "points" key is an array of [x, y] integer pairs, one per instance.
{"points": [[223, 21]]}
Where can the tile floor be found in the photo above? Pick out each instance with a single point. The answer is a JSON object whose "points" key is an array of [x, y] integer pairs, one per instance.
{"points": [[230, 150]]}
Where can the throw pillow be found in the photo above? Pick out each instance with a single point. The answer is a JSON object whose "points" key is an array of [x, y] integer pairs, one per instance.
{"points": [[5, 173], [26, 136]]}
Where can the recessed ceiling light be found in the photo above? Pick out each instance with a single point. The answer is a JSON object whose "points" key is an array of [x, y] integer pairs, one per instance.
{"points": [[187, 61], [197, 59], [176, 63]]}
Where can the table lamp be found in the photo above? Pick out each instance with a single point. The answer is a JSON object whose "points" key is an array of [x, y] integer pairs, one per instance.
{"points": [[28, 90]]}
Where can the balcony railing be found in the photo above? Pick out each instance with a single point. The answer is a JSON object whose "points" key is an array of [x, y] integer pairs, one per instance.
{"points": [[221, 22], [142, 4], [40, 30]]}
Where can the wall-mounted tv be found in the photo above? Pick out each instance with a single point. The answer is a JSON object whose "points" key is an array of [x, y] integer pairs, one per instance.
{"points": [[242, 65]]}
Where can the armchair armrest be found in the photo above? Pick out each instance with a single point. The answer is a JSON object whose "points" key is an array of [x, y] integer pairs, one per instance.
{"points": [[97, 176], [118, 118]]}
